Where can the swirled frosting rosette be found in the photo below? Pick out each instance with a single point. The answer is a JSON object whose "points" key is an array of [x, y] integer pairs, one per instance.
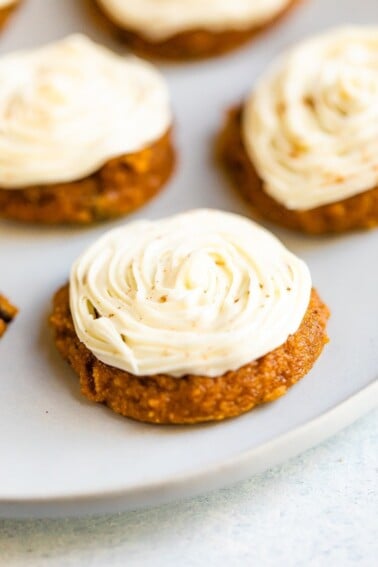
{"points": [[158, 20], [69, 107], [311, 126], [199, 293]]}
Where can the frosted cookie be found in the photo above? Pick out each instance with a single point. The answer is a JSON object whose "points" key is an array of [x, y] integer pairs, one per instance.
{"points": [[182, 29], [86, 133], [7, 313], [303, 148], [7, 7], [197, 317]]}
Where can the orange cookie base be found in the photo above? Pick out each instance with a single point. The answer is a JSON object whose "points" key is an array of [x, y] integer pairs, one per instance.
{"points": [[7, 313], [358, 212], [5, 14], [193, 44], [192, 399], [123, 184]]}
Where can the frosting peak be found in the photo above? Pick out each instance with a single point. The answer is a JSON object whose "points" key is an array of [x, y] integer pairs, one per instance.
{"points": [[201, 293]]}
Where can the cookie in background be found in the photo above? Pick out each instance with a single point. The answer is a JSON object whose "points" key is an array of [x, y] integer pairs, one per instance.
{"points": [[178, 29], [7, 8], [7, 313], [303, 147], [86, 136]]}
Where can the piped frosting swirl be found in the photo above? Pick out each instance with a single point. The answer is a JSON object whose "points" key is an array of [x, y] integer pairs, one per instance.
{"points": [[311, 125], [200, 293]]}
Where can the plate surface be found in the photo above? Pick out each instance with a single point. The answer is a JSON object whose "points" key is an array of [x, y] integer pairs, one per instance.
{"points": [[61, 454]]}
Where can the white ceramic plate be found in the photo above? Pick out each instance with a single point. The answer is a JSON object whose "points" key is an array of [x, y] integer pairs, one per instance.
{"points": [[62, 455]]}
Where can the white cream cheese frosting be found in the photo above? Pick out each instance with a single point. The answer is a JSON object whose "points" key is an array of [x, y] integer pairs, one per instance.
{"points": [[69, 107], [311, 126], [202, 293], [161, 19]]}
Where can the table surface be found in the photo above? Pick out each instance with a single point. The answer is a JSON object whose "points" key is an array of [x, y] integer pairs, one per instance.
{"points": [[319, 509]]}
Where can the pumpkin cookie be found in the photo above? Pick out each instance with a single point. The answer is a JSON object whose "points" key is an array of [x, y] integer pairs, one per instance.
{"points": [[87, 133], [7, 7], [303, 148], [177, 29], [7, 313], [198, 317]]}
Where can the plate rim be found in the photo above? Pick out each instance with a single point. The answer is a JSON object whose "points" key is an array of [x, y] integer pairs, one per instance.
{"points": [[239, 467]]}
